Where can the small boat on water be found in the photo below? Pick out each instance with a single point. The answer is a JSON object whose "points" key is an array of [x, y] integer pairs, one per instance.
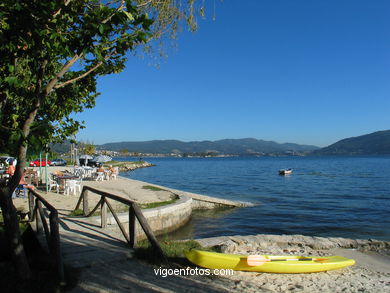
{"points": [[285, 171], [268, 263]]}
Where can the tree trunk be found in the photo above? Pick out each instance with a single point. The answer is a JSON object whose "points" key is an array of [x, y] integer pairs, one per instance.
{"points": [[11, 223], [12, 232]]}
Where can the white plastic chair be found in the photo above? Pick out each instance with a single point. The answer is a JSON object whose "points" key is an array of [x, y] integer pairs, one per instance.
{"points": [[53, 183], [79, 172], [78, 184], [70, 187], [100, 176]]}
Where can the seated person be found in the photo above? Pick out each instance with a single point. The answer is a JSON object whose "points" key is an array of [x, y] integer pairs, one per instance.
{"points": [[112, 171], [10, 170], [23, 185]]}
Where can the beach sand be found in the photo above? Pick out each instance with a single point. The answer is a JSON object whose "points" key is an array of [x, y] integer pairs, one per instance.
{"points": [[370, 274]]}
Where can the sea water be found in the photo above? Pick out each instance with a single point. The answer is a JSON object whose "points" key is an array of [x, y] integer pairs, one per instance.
{"points": [[324, 196]]}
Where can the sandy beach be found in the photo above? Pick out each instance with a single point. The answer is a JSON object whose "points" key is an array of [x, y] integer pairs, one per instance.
{"points": [[370, 274]]}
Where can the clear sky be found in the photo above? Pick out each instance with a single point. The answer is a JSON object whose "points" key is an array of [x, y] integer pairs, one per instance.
{"points": [[302, 71]]}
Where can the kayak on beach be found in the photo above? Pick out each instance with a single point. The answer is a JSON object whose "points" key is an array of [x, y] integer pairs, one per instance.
{"points": [[267, 263]]}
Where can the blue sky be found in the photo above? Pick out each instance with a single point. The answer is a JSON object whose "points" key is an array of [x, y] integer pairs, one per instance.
{"points": [[303, 71]]}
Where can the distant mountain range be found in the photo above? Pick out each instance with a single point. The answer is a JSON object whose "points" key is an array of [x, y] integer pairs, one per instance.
{"points": [[376, 143], [369, 144], [246, 146]]}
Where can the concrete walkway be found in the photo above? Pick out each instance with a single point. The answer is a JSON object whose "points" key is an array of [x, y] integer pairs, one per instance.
{"points": [[84, 243], [103, 256]]}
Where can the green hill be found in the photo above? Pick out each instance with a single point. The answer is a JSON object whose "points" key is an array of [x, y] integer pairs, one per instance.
{"points": [[376, 143], [246, 146]]}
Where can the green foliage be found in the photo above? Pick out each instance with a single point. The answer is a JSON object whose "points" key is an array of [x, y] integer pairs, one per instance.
{"points": [[54, 51], [39, 42], [89, 149], [152, 205], [150, 187], [76, 213]]}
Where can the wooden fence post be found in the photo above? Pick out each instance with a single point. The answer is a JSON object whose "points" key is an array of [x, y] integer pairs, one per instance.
{"points": [[30, 205], [85, 202], [55, 248], [104, 212], [148, 231], [38, 217], [132, 237]]}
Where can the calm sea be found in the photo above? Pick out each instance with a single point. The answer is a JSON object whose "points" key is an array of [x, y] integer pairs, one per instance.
{"points": [[325, 196]]}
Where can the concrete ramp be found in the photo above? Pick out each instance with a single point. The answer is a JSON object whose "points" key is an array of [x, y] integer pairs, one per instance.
{"points": [[84, 243]]}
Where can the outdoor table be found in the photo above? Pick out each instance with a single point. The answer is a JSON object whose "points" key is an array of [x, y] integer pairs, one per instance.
{"points": [[62, 179]]}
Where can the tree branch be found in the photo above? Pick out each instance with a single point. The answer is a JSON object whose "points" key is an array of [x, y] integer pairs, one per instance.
{"points": [[63, 70], [85, 73], [66, 3], [78, 77], [119, 9], [145, 3], [7, 128]]}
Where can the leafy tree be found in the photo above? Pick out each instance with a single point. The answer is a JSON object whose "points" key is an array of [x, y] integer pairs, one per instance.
{"points": [[89, 149], [52, 54]]}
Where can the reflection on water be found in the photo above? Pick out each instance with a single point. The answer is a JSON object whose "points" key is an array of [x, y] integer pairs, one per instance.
{"points": [[204, 216], [215, 213]]}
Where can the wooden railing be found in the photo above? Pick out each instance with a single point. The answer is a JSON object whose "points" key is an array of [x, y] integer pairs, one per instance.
{"points": [[134, 213], [38, 214]]}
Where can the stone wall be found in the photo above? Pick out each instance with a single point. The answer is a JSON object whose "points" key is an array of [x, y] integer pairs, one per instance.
{"points": [[161, 219]]}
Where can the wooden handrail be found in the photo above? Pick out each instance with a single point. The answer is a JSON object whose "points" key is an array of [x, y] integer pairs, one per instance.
{"points": [[106, 194], [52, 234], [134, 213]]}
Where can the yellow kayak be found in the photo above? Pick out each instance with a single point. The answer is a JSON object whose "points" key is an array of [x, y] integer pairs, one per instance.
{"points": [[268, 263]]}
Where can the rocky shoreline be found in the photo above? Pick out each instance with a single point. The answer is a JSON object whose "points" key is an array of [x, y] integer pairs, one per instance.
{"points": [[292, 244], [131, 166]]}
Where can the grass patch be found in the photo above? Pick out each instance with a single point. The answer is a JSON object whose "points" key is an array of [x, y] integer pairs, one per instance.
{"points": [[120, 208], [152, 205], [153, 188], [171, 249], [23, 224], [76, 213]]}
